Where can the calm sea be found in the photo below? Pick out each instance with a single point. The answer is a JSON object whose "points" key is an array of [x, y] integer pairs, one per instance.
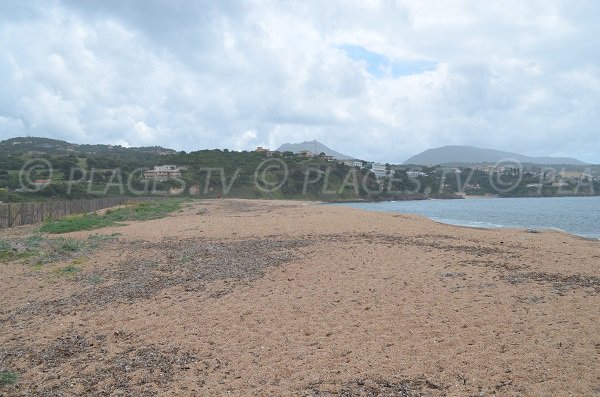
{"points": [[576, 215]]}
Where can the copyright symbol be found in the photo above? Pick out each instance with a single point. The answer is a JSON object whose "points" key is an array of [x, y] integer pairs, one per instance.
{"points": [[264, 169], [498, 183], [28, 169]]}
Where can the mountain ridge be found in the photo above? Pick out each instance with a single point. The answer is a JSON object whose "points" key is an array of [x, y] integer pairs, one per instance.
{"points": [[459, 154], [313, 146]]}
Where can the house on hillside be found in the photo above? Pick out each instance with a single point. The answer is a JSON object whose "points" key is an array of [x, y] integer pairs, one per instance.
{"points": [[415, 174], [268, 152], [163, 172], [42, 182], [306, 153], [378, 169], [353, 163]]}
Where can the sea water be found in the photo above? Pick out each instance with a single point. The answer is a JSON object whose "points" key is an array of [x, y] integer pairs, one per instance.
{"points": [[575, 215]]}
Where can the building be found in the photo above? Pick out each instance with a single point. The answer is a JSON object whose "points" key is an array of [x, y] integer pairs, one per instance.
{"points": [[163, 172], [353, 163], [268, 152], [36, 153], [42, 182], [306, 153], [379, 170], [415, 174], [582, 175], [488, 169]]}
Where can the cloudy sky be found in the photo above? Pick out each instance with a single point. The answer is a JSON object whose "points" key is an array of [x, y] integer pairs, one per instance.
{"points": [[380, 80]]}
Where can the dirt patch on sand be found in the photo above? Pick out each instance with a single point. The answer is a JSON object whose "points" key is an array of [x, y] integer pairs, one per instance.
{"points": [[79, 365], [377, 388]]}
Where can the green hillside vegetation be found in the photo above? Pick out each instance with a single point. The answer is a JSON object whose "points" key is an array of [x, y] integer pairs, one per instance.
{"points": [[84, 171], [208, 173]]}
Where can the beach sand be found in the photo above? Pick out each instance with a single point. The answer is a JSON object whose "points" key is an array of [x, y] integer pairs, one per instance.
{"points": [[282, 298]]}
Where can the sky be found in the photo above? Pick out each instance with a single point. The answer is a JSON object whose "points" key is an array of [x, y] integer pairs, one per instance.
{"points": [[378, 80]]}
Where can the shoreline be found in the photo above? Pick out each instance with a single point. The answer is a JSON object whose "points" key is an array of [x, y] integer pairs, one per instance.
{"points": [[549, 229], [472, 224]]}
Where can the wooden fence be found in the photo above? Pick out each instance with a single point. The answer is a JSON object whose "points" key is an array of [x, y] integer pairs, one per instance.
{"points": [[17, 214]]}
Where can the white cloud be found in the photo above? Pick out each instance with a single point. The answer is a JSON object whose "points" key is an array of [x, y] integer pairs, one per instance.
{"points": [[514, 75]]}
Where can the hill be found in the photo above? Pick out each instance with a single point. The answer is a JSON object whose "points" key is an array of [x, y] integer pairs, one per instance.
{"points": [[57, 147], [470, 154], [314, 147], [83, 171]]}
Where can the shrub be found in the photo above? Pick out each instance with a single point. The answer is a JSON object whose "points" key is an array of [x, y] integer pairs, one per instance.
{"points": [[8, 378]]}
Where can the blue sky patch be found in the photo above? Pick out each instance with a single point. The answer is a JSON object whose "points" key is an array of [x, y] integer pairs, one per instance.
{"points": [[381, 66]]}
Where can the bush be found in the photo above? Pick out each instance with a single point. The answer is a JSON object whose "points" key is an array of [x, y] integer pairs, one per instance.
{"points": [[70, 245]]}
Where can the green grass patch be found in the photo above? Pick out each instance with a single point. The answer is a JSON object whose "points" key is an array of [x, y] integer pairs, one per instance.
{"points": [[144, 211], [6, 249], [95, 279], [75, 223], [70, 245], [16, 250], [79, 261], [8, 378], [68, 270], [58, 249], [45, 250], [34, 241], [139, 212]]}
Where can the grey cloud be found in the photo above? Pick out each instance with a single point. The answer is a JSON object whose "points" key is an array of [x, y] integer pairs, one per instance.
{"points": [[196, 74]]}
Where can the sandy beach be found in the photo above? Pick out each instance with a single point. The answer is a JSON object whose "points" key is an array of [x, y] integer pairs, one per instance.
{"points": [[283, 298]]}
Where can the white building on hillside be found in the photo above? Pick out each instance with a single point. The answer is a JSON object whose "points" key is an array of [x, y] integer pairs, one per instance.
{"points": [[163, 172], [353, 163], [379, 170]]}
